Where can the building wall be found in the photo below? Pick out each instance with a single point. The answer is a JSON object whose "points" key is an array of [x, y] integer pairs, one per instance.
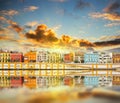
{"points": [[105, 58], [5, 57], [30, 56], [41, 56], [54, 58], [68, 57], [16, 57], [116, 57], [91, 57]]}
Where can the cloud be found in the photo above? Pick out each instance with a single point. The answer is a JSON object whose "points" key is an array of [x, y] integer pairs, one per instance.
{"points": [[112, 7], [81, 4], [41, 34], [107, 16], [9, 12], [112, 24], [56, 27], [58, 1], [31, 8], [108, 41], [31, 24], [15, 26], [111, 13], [45, 37], [108, 38]]}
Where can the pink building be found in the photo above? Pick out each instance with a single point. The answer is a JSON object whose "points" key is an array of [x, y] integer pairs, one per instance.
{"points": [[16, 57]]}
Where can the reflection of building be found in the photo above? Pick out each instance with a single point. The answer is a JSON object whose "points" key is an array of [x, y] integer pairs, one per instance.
{"points": [[116, 80], [116, 57], [30, 56], [5, 57], [105, 57], [68, 81], [16, 57], [91, 80], [41, 56], [5, 82], [16, 81], [41, 82], [91, 57], [54, 57], [30, 82], [68, 57], [105, 81], [79, 57]]}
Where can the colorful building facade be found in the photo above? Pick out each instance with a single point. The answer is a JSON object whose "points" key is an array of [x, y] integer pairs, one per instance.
{"points": [[30, 56], [16, 57], [41, 56], [105, 58], [54, 57], [91, 57], [68, 57], [116, 57], [5, 57]]}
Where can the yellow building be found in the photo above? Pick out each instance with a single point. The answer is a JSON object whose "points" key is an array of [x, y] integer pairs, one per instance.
{"points": [[30, 56], [54, 57], [116, 57], [4, 56]]}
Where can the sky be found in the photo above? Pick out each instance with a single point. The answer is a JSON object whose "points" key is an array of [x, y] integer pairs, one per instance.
{"points": [[69, 24]]}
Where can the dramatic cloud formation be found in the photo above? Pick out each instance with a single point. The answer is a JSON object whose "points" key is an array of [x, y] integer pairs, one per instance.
{"points": [[42, 35], [31, 8], [9, 12], [82, 4]]}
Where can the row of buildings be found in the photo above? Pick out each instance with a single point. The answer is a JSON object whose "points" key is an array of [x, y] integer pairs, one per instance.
{"points": [[41, 82], [54, 57]]}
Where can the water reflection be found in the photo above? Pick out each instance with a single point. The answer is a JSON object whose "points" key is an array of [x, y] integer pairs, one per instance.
{"points": [[55, 81], [60, 89]]}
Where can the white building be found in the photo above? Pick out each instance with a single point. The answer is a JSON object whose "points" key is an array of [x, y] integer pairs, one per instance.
{"points": [[41, 56], [105, 57]]}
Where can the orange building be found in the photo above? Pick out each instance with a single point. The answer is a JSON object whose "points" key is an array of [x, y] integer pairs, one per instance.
{"points": [[30, 56], [116, 57], [30, 82]]}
